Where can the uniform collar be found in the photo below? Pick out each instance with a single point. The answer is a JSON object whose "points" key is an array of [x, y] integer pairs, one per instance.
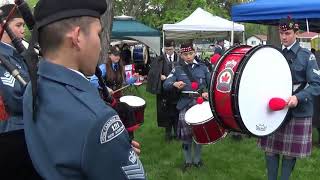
{"points": [[294, 47], [63, 75], [7, 47]]}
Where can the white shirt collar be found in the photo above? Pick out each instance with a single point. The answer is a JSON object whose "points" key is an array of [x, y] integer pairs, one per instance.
{"points": [[172, 57], [194, 62], [289, 47], [78, 72]]}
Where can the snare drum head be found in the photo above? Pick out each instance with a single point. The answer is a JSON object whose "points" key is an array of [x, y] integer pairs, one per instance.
{"points": [[133, 101], [198, 114], [266, 75]]}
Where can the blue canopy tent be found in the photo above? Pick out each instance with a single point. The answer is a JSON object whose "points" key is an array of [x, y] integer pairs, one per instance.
{"points": [[307, 12], [126, 27]]}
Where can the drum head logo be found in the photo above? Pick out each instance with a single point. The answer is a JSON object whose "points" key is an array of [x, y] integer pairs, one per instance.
{"points": [[225, 77]]}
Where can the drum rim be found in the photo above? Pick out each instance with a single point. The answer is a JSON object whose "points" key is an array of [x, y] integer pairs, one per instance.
{"points": [[213, 80], [202, 122], [213, 142], [135, 106], [235, 88]]}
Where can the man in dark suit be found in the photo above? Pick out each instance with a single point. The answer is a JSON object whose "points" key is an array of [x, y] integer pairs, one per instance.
{"points": [[219, 48], [167, 114]]}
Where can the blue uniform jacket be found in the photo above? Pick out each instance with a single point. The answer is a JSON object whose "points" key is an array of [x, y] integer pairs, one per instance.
{"points": [[75, 135], [304, 69], [95, 82], [11, 89], [200, 73]]}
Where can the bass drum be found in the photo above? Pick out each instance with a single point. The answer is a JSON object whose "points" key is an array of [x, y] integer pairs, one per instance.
{"points": [[243, 82]]}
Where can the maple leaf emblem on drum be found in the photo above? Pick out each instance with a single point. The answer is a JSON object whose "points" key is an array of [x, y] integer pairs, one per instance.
{"points": [[225, 77]]}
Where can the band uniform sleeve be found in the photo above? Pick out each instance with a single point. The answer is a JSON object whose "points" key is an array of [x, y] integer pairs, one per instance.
{"points": [[313, 81], [12, 92], [94, 79], [108, 153], [168, 83], [130, 80]]}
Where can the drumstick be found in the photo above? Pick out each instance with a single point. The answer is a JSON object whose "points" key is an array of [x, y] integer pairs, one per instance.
{"points": [[277, 104], [121, 88], [136, 84]]}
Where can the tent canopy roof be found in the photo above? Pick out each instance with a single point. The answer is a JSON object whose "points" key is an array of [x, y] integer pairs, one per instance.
{"points": [[204, 23], [131, 27], [126, 27], [270, 11]]}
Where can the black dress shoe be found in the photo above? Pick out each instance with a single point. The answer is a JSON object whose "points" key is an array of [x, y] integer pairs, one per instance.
{"points": [[198, 165], [186, 166]]}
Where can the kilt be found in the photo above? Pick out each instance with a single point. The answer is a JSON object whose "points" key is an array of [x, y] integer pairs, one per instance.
{"points": [[293, 138], [184, 131]]}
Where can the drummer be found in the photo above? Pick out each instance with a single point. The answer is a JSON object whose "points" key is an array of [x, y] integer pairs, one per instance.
{"points": [[184, 77], [294, 139], [114, 75]]}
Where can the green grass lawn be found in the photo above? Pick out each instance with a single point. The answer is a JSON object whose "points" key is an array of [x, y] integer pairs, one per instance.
{"points": [[225, 160]]}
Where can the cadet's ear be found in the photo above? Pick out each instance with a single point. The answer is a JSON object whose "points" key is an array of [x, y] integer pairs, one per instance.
{"points": [[74, 37]]}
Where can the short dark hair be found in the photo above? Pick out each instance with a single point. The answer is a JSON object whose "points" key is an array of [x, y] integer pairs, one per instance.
{"points": [[168, 43], [52, 35]]}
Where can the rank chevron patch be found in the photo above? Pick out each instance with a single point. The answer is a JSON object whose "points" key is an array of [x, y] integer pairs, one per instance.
{"points": [[316, 71], [134, 171], [8, 80]]}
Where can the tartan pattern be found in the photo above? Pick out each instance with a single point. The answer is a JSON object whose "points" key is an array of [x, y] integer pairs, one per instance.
{"points": [[184, 131], [293, 139]]}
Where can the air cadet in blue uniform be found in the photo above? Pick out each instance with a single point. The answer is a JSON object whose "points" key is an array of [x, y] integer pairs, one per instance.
{"points": [[70, 132], [179, 79], [294, 139], [15, 162], [12, 90]]}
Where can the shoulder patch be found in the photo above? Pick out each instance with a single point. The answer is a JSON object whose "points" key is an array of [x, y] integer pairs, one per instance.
{"points": [[312, 57], [111, 129]]}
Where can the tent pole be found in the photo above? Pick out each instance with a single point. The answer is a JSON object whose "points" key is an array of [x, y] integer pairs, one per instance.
{"points": [[232, 34], [163, 38], [243, 38]]}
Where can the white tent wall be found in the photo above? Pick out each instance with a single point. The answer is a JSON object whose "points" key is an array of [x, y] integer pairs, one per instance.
{"points": [[152, 42], [201, 24]]}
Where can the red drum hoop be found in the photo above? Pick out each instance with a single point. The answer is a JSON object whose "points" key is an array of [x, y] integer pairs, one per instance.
{"points": [[236, 94], [138, 105]]}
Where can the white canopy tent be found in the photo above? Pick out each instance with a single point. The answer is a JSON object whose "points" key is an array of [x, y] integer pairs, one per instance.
{"points": [[201, 24]]}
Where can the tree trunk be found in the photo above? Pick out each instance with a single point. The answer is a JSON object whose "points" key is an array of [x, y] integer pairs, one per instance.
{"points": [[273, 36], [106, 20]]}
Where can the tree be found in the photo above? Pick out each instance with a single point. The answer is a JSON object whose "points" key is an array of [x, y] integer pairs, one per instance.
{"points": [[106, 21]]}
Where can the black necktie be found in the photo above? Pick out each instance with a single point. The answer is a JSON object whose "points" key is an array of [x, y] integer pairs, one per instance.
{"points": [[170, 59], [288, 54]]}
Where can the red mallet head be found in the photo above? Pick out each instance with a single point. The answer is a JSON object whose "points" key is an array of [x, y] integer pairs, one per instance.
{"points": [[214, 59], [277, 104], [200, 100], [194, 86]]}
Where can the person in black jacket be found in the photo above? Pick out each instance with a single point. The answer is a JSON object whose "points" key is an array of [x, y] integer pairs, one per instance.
{"points": [[167, 114]]}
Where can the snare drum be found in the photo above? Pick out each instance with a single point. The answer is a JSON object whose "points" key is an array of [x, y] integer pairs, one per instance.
{"points": [[205, 128], [243, 82], [137, 104]]}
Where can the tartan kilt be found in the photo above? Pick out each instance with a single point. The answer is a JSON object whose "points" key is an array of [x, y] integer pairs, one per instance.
{"points": [[184, 131], [293, 138]]}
